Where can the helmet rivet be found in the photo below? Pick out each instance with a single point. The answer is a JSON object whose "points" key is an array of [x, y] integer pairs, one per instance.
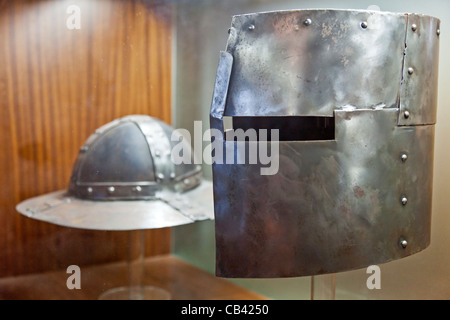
{"points": [[403, 243], [307, 22], [138, 189], [251, 27], [404, 157], [157, 153], [89, 190], [404, 200], [410, 70], [414, 27], [111, 189], [406, 114], [364, 25], [186, 181], [172, 175], [160, 176], [438, 32]]}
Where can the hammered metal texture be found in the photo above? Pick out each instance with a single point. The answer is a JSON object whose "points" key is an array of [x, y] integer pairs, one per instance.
{"points": [[420, 74], [283, 67], [359, 199], [333, 205], [124, 179], [130, 159], [164, 211]]}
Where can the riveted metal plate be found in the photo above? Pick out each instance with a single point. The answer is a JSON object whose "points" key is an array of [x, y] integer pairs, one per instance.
{"points": [[332, 206], [359, 197], [126, 180], [283, 66], [160, 147], [167, 210], [418, 101]]}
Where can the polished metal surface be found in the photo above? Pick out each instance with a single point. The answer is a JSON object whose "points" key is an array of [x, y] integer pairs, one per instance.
{"points": [[171, 210], [124, 179], [284, 67], [360, 198], [129, 159], [418, 100]]}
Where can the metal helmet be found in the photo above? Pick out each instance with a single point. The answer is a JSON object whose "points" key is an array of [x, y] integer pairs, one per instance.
{"points": [[354, 96], [124, 179]]}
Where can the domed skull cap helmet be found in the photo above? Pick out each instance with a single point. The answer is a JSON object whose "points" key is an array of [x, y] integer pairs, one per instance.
{"points": [[124, 179]]}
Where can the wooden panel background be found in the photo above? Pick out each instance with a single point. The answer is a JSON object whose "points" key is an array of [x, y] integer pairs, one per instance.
{"points": [[56, 87]]}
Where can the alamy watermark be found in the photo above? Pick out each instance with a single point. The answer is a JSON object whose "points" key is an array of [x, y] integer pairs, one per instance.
{"points": [[238, 147], [374, 280], [73, 21], [74, 280]]}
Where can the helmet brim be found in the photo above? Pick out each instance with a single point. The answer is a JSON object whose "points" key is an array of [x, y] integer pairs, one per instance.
{"points": [[169, 210]]}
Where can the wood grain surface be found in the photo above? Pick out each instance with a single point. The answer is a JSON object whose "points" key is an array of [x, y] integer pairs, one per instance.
{"points": [[57, 85]]}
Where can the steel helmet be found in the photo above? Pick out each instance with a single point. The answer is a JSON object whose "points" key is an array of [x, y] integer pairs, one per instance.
{"points": [[353, 94], [124, 179]]}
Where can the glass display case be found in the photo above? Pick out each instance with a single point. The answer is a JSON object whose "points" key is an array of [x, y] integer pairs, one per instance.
{"points": [[421, 276], [66, 69]]}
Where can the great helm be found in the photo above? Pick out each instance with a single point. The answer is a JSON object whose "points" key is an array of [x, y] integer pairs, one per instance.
{"points": [[124, 179], [354, 96]]}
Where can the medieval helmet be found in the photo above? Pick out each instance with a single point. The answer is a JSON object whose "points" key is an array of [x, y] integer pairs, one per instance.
{"points": [[124, 179], [353, 94]]}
